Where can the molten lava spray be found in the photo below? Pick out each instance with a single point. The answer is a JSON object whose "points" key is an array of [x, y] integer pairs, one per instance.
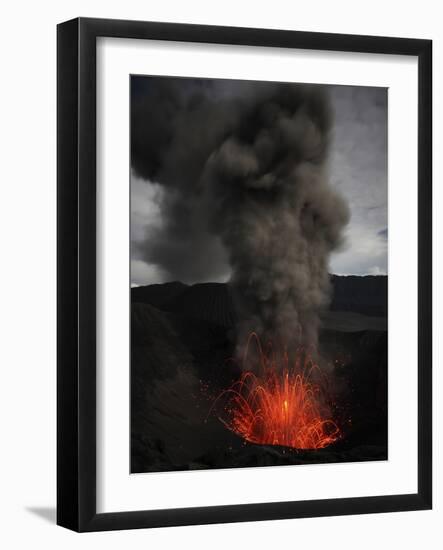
{"points": [[281, 404]]}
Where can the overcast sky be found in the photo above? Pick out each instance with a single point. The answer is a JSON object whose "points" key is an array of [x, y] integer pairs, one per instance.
{"points": [[357, 168]]}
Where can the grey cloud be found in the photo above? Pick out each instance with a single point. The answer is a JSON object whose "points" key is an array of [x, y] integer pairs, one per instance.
{"points": [[359, 170], [357, 167], [383, 233]]}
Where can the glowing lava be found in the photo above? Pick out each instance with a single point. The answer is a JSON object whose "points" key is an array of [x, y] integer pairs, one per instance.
{"points": [[280, 405]]}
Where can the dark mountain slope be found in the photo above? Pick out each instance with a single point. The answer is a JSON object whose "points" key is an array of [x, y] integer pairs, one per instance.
{"points": [[175, 357], [160, 295], [367, 295], [212, 302]]}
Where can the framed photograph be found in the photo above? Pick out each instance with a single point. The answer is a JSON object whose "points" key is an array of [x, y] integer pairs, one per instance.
{"points": [[244, 274]]}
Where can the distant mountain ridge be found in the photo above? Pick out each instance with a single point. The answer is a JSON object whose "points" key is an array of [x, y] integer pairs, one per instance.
{"points": [[212, 302], [366, 294]]}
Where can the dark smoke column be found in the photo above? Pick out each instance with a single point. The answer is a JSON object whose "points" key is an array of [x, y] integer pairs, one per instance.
{"points": [[277, 215], [247, 162]]}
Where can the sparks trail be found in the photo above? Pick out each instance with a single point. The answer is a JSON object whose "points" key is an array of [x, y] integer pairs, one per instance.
{"points": [[281, 405]]}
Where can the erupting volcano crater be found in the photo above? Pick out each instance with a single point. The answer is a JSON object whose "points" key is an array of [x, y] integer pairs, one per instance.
{"points": [[279, 402]]}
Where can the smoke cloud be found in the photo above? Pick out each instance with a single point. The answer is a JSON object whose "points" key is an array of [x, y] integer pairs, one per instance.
{"points": [[249, 168]]}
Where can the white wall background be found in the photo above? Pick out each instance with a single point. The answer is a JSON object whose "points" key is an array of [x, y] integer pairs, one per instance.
{"points": [[27, 285]]}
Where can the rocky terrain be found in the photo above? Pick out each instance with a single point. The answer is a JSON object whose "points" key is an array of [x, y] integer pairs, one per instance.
{"points": [[181, 340]]}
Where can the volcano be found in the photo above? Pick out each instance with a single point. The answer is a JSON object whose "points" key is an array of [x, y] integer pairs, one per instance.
{"points": [[181, 345]]}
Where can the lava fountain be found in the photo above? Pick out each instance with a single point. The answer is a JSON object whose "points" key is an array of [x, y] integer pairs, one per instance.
{"points": [[279, 403]]}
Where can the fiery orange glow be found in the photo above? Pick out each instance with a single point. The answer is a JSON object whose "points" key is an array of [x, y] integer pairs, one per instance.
{"points": [[280, 405]]}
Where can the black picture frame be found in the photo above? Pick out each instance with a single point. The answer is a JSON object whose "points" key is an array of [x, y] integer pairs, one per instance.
{"points": [[76, 326]]}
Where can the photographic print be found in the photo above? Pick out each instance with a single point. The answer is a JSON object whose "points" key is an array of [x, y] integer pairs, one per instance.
{"points": [[259, 273]]}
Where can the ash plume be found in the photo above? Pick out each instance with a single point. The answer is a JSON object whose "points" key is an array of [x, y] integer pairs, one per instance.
{"points": [[247, 163]]}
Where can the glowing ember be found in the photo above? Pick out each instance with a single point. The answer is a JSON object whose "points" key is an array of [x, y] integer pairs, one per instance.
{"points": [[282, 405]]}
